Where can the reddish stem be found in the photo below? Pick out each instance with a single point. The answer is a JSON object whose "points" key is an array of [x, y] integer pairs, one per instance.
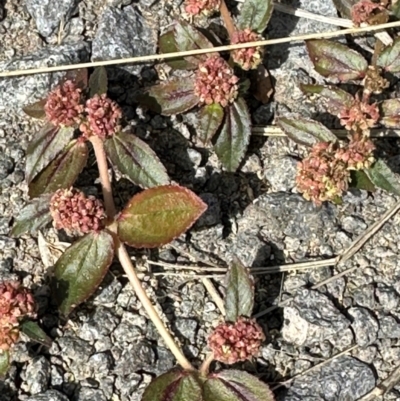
{"points": [[228, 21]]}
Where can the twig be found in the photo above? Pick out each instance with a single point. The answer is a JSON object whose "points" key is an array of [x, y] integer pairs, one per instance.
{"points": [[205, 366], [319, 365], [226, 17], [165, 56], [188, 267], [214, 295]]}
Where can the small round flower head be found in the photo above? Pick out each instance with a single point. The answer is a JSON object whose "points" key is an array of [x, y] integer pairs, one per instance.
{"points": [[248, 58], [364, 10], [235, 342], [216, 82], [9, 334], [373, 81], [206, 7], [63, 106], [358, 154], [103, 116], [321, 176], [360, 116], [76, 213]]}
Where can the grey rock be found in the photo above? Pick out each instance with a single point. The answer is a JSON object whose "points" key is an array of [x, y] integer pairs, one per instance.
{"points": [[281, 173], [134, 357], [100, 364], [108, 292], [101, 323], [353, 224], [128, 384], [364, 325], [90, 394], [124, 33], [212, 215], [342, 379], [37, 376], [187, 328], [388, 327], [6, 166], [48, 14], [50, 395], [364, 296], [18, 92], [387, 297]]}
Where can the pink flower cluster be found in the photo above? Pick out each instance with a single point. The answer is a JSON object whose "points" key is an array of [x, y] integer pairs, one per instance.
{"points": [[16, 302], [235, 342], [248, 58], [364, 10], [103, 117], [63, 106], [360, 116], [358, 154], [76, 213], [206, 7], [216, 82]]}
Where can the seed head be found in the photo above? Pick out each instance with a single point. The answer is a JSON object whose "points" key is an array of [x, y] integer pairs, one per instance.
{"points": [[360, 116], [373, 81], [358, 154], [248, 58], [364, 10], [235, 342], [206, 7], [216, 82], [63, 106], [103, 116], [76, 213]]}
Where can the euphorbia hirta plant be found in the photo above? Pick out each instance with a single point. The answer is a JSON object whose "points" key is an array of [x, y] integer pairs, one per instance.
{"points": [[213, 85], [332, 166]]}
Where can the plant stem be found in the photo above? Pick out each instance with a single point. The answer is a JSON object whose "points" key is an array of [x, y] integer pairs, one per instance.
{"points": [[205, 366], [125, 260], [228, 21]]}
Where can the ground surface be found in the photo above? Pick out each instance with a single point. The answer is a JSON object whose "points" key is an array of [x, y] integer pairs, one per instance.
{"points": [[109, 350]]}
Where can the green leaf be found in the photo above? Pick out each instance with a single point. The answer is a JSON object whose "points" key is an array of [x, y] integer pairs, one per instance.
{"points": [[390, 113], [334, 60], [32, 217], [255, 14], [382, 177], [35, 333], [98, 82], [231, 143], [36, 110], [156, 216], [334, 99], [45, 146], [172, 97], [4, 362], [80, 270], [209, 119], [136, 160], [389, 58], [62, 172], [235, 385], [360, 180], [305, 131], [239, 298]]}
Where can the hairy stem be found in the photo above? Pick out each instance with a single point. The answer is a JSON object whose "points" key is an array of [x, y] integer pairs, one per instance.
{"points": [[227, 18], [125, 260]]}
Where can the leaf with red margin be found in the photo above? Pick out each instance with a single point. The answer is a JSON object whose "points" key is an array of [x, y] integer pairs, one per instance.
{"points": [[334, 60], [44, 147], [255, 14], [209, 119], [81, 269], [36, 110], [62, 172], [389, 58], [98, 82], [157, 215]]}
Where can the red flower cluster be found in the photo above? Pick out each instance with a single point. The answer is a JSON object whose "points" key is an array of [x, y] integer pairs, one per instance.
{"points": [[216, 82], [103, 116], [206, 7], [16, 302], [63, 106], [364, 10], [248, 58], [235, 342], [360, 116], [76, 213], [358, 154]]}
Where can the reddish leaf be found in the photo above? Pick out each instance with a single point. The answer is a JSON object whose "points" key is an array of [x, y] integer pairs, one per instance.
{"points": [[335, 99], [136, 160], [334, 60], [4, 362], [239, 298], [255, 14], [32, 217], [79, 76], [390, 112], [45, 146], [173, 97], [209, 119], [36, 110], [232, 141], [62, 171], [305, 131], [382, 177], [98, 82], [81, 268], [235, 385], [156, 216], [389, 59]]}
